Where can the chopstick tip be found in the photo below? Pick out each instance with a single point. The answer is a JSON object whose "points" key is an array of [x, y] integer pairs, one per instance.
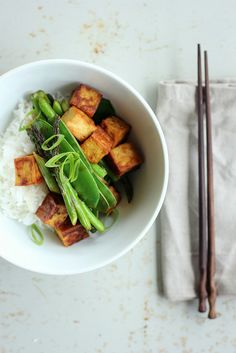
{"points": [[212, 314], [202, 306]]}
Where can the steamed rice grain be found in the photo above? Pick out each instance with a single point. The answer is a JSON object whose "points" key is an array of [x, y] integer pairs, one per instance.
{"points": [[18, 202]]}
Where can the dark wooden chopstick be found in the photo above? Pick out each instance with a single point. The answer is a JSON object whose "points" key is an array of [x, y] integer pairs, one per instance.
{"points": [[211, 263], [202, 193], [207, 286]]}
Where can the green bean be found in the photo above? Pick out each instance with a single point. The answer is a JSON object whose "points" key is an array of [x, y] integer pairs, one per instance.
{"points": [[57, 107], [65, 105], [49, 179], [46, 109]]}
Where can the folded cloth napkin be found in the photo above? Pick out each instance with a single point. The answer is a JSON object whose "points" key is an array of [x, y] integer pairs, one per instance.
{"points": [[177, 112]]}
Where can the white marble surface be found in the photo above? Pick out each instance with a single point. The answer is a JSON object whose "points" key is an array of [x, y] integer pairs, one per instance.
{"points": [[118, 308]]}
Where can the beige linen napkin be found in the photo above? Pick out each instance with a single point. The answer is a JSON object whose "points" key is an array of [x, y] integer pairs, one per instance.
{"points": [[176, 110]]}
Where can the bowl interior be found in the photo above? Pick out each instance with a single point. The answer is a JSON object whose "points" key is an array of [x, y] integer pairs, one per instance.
{"points": [[149, 182]]}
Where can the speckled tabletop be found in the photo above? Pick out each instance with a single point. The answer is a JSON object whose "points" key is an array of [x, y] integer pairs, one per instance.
{"points": [[119, 308]]}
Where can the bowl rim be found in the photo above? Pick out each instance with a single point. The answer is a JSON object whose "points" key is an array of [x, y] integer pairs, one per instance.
{"points": [[164, 149]]}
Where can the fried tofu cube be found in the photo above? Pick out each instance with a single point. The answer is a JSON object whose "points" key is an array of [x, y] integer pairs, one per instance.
{"points": [[27, 171], [52, 211], [70, 234], [79, 124], [116, 128], [124, 158], [87, 99], [97, 145]]}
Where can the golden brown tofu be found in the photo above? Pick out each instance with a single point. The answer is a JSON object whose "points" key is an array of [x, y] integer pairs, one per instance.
{"points": [[70, 234], [124, 158], [97, 145], [87, 99], [116, 128], [79, 124], [27, 171], [52, 211]]}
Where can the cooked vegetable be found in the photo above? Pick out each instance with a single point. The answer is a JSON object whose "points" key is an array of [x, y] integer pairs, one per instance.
{"points": [[78, 204], [48, 177], [78, 178], [116, 128], [71, 234], [65, 105], [47, 145], [68, 201], [85, 186], [52, 211], [27, 171], [128, 187], [110, 174], [124, 158], [104, 110], [97, 145], [57, 107], [46, 108], [86, 98], [100, 171], [50, 98], [79, 124], [107, 199]]}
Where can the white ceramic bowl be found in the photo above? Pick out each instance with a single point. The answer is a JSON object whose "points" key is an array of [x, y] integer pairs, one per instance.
{"points": [[150, 182]]}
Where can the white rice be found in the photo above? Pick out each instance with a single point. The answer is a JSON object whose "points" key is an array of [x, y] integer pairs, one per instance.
{"points": [[18, 202]]}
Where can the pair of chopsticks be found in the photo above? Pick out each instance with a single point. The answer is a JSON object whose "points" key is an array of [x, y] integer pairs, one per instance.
{"points": [[207, 287]]}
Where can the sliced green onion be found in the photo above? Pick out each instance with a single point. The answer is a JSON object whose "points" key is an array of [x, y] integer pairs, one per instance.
{"points": [[52, 162], [114, 215], [74, 170], [36, 235], [27, 125], [45, 146]]}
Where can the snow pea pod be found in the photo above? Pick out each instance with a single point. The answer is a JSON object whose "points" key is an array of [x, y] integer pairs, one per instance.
{"points": [[85, 185], [107, 199]]}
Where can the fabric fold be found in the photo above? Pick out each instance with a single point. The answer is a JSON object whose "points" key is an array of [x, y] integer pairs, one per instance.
{"points": [[176, 110]]}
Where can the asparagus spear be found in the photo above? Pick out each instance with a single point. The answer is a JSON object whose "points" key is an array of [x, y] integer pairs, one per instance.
{"points": [[49, 179]]}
